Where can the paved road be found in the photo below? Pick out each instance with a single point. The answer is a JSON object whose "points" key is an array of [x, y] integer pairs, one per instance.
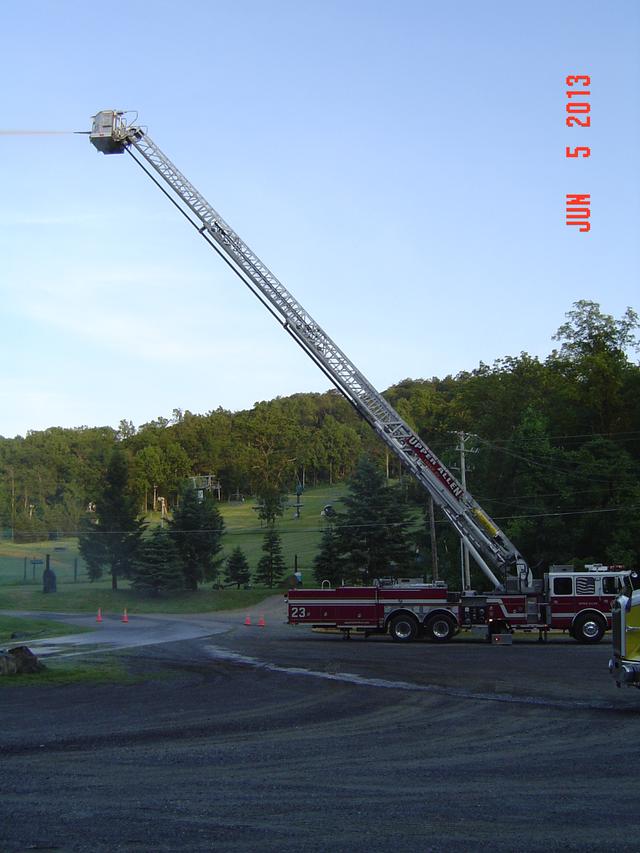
{"points": [[114, 634], [248, 738], [559, 672]]}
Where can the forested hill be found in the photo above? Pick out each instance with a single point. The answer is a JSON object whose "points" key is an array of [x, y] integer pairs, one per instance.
{"points": [[554, 450]]}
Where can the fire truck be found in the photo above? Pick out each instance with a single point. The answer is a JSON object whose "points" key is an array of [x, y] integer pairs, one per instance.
{"points": [[574, 601], [577, 602]]}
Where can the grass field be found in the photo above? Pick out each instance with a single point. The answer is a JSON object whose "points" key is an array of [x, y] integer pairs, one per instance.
{"points": [[60, 673], [32, 629], [21, 569]]}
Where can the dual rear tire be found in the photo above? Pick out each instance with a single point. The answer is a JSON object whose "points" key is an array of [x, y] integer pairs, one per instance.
{"points": [[404, 628], [439, 628]]}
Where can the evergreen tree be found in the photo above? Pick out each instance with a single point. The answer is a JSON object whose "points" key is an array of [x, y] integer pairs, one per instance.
{"points": [[271, 566], [237, 568], [197, 528], [328, 563], [374, 537], [112, 540], [157, 566]]}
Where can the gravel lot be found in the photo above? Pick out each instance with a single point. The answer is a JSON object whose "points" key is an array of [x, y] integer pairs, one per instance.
{"points": [[280, 739]]}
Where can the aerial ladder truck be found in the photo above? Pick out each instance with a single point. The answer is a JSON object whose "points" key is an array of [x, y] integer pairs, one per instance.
{"points": [[490, 547], [505, 568]]}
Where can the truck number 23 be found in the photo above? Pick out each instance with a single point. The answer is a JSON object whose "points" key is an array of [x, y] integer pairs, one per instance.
{"points": [[299, 612]]}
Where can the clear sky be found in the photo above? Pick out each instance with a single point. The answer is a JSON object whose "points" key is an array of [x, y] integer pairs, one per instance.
{"points": [[400, 166]]}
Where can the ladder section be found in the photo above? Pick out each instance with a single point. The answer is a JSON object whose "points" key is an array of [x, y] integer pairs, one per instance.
{"points": [[487, 544]]}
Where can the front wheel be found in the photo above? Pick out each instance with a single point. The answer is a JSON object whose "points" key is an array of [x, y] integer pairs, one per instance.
{"points": [[403, 628], [440, 628], [588, 628]]}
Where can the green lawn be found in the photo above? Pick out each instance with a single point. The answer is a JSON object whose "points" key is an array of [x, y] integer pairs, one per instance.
{"points": [[21, 579], [32, 629], [19, 563], [87, 598], [60, 673], [300, 536]]}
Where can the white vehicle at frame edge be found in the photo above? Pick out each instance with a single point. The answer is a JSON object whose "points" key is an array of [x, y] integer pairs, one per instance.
{"points": [[579, 602]]}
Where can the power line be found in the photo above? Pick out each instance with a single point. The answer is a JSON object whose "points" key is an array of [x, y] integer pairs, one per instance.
{"points": [[557, 467], [571, 512], [579, 435], [373, 524]]}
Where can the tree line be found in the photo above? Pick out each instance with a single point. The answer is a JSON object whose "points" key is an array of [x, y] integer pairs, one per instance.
{"points": [[553, 447], [181, 553]]}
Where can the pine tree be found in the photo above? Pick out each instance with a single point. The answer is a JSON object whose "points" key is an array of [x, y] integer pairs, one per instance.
{"points": [[374, 537], [112, 540], [271, 566], [327, 564], [157, 565], [237, 568], [197, 528]]}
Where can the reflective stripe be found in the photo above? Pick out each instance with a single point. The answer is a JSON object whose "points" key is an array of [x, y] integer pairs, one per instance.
{"points": [[386, 602]]}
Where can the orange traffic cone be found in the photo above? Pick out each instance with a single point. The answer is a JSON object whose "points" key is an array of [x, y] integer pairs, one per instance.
{"points": [[125, 618], [247, 621], [99, 616], [261, 622]]}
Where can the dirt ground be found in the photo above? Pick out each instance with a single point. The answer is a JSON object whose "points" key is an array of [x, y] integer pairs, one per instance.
{"points": [[279, 739]]}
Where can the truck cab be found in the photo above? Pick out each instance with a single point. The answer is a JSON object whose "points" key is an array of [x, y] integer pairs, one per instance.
{"points": [[581, 601]]}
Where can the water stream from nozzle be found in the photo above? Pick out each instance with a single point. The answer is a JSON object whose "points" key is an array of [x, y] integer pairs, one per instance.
{"points": [[39, 132]]}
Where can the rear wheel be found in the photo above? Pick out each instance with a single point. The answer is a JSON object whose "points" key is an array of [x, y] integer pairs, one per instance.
{"points": [[440, 628], [589, 628], [403, 628]]}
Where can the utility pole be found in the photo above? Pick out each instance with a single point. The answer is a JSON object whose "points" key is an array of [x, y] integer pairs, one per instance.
{"points": [[434, 544], [464, 551]]}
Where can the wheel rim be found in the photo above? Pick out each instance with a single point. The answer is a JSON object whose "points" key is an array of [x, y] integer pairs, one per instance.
{"points": [[440, 629], [403, 629], [590, 629]]}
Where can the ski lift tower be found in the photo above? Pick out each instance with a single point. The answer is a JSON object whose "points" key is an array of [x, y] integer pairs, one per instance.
{"points": [[206, 483]]}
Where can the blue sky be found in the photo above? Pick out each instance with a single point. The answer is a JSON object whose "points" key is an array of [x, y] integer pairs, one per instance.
{"points": [[401, 168]]}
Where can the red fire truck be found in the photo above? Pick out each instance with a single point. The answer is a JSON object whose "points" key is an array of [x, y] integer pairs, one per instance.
{"points": [[564, 600]]}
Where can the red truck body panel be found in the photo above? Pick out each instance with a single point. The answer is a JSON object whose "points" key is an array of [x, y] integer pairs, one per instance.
{"points": [[556, 604], [362, 606]]}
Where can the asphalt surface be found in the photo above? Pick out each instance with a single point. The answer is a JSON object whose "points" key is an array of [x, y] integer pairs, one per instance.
{"points": [[274, 738]]}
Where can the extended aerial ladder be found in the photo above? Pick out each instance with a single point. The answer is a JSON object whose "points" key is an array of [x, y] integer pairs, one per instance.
{"points": [[498, 558]]}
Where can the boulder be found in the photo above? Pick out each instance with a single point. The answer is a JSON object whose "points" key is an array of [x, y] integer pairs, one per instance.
{"points": [[19, 660], [8, 664]]}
